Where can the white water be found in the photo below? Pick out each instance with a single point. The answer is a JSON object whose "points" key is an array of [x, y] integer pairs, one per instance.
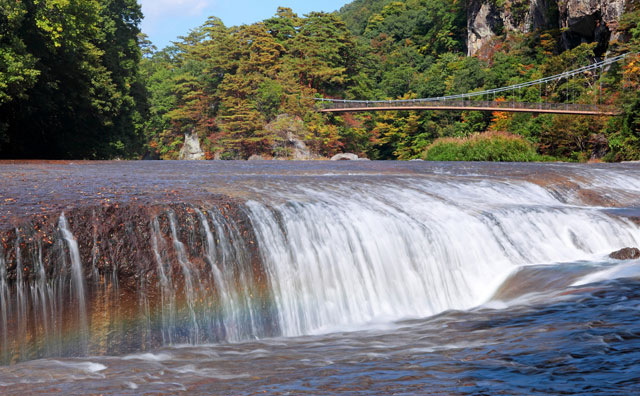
{"points": [[77, 282], [356, 253], [628, 269]]}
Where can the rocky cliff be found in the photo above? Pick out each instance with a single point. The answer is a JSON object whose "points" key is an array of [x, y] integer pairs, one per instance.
{"points": [[590, 21], [581, 21]]}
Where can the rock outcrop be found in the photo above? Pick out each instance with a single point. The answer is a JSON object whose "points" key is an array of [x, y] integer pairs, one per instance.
{"points": [[191, 149], [581, 20], [488, 18], [299, 151], [291, 131], [482, 23]]}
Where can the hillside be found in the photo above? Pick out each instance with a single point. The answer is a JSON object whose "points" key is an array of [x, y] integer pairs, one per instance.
{"points": [[259, 102], [247, 91]]}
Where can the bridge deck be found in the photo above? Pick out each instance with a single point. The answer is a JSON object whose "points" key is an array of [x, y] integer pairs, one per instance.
{"points": [[512, 107]]}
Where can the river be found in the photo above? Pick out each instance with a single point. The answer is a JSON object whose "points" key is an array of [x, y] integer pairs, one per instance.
{"points": [[319, 277]]}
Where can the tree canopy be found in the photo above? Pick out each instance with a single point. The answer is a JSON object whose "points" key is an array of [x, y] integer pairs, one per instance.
{"points": [[78, 80], [69, 81]]}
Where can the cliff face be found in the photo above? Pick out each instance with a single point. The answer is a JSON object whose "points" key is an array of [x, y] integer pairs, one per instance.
{"points": [[483, 21], [581, 20], [590, 21]]}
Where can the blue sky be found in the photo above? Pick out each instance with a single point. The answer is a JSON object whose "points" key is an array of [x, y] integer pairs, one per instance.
{"points": [[165, 20]]}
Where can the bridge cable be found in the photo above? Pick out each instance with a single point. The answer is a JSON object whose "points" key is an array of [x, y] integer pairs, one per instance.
{"points": [[561, 76]]}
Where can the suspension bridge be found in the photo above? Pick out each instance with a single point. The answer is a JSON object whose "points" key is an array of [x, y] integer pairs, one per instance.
{"points": [[503, 99]]}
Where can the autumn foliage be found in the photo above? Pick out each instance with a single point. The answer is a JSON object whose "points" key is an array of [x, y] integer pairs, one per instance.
{"points": [[249, 90]]}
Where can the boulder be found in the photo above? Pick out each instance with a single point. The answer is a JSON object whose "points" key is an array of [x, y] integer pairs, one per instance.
{"points": [[256, 157], [626, 254], [345, 157]]}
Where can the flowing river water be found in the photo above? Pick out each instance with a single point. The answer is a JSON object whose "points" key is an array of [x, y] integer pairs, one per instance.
{"points": [[240, 278]]}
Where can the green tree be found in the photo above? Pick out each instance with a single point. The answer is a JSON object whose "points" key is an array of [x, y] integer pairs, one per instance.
{"points": [[17, 66], [82, 96], [284, 25], [322, 52]]}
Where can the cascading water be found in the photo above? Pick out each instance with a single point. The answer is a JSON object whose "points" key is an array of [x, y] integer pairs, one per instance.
{"points": [[358, 254], [229, 265], [167, 293], [4, 304], [77, 282], [327, 253]]}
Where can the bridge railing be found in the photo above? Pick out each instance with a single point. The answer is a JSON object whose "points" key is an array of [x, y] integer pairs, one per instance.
{"points": [[467, 100], [361, 104]]}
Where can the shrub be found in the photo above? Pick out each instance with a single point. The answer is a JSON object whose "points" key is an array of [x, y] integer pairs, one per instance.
{"points": [[489, 146]]}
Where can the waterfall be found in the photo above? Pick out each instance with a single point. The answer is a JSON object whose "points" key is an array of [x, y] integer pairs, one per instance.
{"points": [[223, 285], [4, 304], [191, 276], [234, 275], [168, 299], [214, 297], [358, 254], [39, 292], [21, 303], [295, 259], [77, 281]]}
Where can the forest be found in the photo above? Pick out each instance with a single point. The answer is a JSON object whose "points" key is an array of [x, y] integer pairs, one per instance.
{"points": [[79, 80]]}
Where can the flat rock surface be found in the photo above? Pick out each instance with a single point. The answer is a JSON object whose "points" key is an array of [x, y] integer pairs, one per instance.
{"points": [[31, 187]]}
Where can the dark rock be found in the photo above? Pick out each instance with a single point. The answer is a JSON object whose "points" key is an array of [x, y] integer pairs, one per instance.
{"points": [[586, 21], [626, 254]]}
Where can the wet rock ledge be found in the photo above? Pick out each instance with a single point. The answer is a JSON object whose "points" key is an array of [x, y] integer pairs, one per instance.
{"points": [[146, 279]]}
